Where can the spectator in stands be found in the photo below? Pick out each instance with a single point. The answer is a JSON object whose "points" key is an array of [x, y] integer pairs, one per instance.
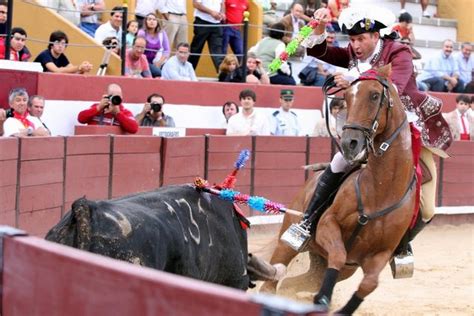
{"points": [[208, 15], [176, 22], [89, 15], [335, 7], [335, 106], [255, 71], [178, 67], [441, 72], [54, 60], [136, 64], [270, 16], [234, 12], [424, 6], [248, 121], [152, 113], [404, 27], [132, 29], [66, 8], [17, 45], [228, 69], [112, 28], [3, 18], [465, 63], [265, 51], [293, 21], [229, 109], [112, 43], [145, 7], [19, 122], [36, 108], [284, 122], [461, 123], [110, 111], [309, 7], [157, 46]]}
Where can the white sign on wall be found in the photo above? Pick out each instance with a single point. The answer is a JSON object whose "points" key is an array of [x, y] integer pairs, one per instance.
{"points": [[169, 131]]}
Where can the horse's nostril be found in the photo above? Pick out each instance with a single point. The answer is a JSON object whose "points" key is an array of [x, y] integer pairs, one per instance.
{"points": [[353, 144]]}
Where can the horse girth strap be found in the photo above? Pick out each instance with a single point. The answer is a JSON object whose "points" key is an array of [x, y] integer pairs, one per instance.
{"points": [[364, 219]]}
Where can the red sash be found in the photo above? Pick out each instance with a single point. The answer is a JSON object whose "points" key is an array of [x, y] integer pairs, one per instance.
{"points": [[416, 150]]}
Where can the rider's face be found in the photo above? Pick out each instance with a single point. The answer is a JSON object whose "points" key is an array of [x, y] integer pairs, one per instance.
{"points": [[364, 44]]}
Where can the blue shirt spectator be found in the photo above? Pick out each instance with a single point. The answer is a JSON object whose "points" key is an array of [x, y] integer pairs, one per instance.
{"points": [[178, 67], [465, 62]]}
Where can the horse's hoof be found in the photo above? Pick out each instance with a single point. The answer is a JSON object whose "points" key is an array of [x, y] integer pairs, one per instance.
{"points": [[280, 271], [321, 303]]}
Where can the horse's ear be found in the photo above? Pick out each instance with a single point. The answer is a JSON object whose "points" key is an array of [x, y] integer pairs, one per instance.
{"points": [[385, 71]]}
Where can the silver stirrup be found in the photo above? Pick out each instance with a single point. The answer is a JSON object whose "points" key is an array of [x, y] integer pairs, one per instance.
{"points": [[402, 265], [297, 236]]}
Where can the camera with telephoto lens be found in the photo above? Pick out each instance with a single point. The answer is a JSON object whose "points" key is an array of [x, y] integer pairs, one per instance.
{"points": [[115, 99], [9, 113], [156, 107]]}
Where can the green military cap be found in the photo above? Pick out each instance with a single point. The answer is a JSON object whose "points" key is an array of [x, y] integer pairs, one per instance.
{"points": [[286, 93]]}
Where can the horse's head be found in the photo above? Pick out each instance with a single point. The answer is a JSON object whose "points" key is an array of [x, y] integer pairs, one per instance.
{"points": [[368, 103]]}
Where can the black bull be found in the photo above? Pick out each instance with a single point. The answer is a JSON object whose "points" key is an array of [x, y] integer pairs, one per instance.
{"points": [[174, 229]]}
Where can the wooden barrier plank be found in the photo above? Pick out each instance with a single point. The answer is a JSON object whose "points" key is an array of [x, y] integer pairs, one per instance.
{"points": [[40, 197], [232, 144], [37, 172], [8, 172], [8, 148], [34, 148], [8, 218], [134, 173], [217, 176], [280, 143], [34, 285], [39, 222], [7, 198], [224, 161], [137, 144], [280, 160], [91, 144], [283, 195], [279, 178]]}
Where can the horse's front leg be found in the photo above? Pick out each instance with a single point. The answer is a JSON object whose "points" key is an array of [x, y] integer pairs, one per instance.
{"points": [[329, 237], [372, 267]]}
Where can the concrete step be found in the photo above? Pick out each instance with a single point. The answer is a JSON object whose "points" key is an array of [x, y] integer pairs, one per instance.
{"points": [[412, 6]]}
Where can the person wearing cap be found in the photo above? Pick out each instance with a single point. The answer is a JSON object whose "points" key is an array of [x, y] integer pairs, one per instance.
{"points": [[367, 49], [283, 121]]}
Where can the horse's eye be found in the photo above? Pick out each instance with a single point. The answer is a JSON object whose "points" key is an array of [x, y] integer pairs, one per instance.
{"points": [[374, 96]]}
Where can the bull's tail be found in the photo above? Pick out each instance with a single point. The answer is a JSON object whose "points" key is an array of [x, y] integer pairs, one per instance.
{"points": [[82, 213]]}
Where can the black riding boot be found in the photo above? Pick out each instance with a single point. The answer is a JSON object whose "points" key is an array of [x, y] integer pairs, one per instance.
{"points": [[328, 183]]}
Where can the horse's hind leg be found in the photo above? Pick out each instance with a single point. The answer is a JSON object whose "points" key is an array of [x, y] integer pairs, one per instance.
{"points": [[372, 268]]}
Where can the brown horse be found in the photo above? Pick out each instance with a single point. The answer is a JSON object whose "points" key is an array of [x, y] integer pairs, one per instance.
{"points": [[374, 206]]}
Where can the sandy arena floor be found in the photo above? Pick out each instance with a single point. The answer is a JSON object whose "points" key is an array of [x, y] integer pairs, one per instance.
{"points": [[443, 282]]}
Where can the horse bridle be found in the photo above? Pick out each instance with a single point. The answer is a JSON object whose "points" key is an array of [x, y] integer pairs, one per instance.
{"points": [[369, 133]]}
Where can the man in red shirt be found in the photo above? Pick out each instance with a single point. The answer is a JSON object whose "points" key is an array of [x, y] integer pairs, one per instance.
{"points": [[17, 43], [136, 64], [110, 111], [234, 10]]}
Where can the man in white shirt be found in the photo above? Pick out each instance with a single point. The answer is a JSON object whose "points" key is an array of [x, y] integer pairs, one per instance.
{"points": [[284, 122], [208, 14], [176, 25], [248, 121], [178, 67], [89, 15], [112, 28], [19, 122], [465, 63]]}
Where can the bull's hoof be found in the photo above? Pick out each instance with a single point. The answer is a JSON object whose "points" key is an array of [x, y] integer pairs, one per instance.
{"points": [[321, 303]]}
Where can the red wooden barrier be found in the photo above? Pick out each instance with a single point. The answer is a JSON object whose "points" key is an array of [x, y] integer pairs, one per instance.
{"points": [[278, 168], [43, 278], [319, 149], [136, 164], [458, 180], [40, 183], [8, 180], [87, 168], [222, 152], [183, 159]]}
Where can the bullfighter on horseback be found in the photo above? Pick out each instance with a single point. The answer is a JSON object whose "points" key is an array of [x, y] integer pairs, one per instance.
{"points": [[369, 49]]}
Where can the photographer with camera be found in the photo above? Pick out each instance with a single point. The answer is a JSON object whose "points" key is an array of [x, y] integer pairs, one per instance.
{"points": [[110, 111], [152, 113], [18, 122]]}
